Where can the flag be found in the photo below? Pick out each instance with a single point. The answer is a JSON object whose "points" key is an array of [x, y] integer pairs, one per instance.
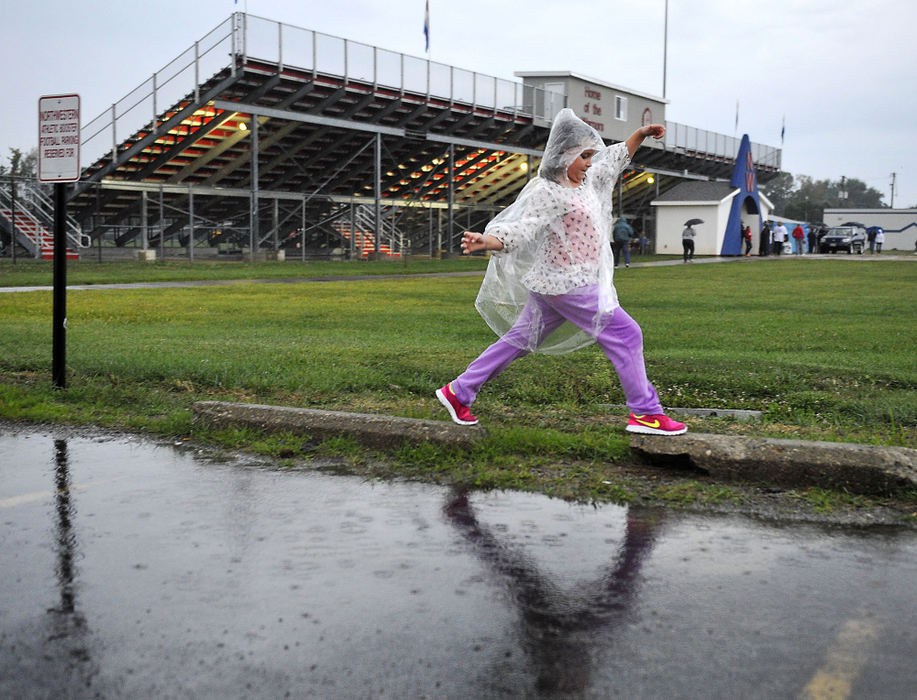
{"points": [[426, 24], [783, 130]]}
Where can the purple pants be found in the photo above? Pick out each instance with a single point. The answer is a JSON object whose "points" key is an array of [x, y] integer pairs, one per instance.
{"points": [[621, 340]]}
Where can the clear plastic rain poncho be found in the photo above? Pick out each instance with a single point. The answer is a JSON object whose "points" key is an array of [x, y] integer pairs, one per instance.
{"points": [[557, 240]]}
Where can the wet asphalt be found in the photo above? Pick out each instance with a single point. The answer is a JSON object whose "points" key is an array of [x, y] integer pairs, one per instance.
{"points": [[131, 568]]}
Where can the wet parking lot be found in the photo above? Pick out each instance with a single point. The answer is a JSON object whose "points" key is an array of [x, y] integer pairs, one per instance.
{"points": [[130, 568]]}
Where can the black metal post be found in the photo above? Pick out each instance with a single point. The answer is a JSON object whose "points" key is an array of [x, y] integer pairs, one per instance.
{"points": [[451, 197], [13, 218], [97, 221], [254, 232], [59, 329], [162, 227], [378, 193], [191, 224]]}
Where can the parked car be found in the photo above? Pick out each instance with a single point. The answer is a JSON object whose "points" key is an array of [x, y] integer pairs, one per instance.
{"points": [[850, 237]]}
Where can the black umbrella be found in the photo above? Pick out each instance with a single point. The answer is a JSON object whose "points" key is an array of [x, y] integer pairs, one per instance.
{"points": [[691, 222]]}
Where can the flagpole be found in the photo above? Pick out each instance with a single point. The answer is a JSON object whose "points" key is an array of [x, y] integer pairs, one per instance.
{"points": [[426, 26]]}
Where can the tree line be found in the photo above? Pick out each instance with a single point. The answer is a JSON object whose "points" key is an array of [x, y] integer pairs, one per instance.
{"points": [[21, 164], [804, 198]]}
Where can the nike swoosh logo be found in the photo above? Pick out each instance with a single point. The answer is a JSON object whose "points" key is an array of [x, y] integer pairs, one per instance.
{"points": [[648, 424]]}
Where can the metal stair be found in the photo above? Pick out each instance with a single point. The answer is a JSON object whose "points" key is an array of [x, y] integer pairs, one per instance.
{"points": [[34, 222], [362, 231]]}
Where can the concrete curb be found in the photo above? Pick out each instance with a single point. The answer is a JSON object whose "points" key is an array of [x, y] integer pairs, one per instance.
{"points": [[369, 429], [860, 469]]}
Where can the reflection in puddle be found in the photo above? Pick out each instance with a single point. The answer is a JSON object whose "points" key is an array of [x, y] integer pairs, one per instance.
{"points": [[559, 627], [66, 539], [68, 636], [130, 569]]}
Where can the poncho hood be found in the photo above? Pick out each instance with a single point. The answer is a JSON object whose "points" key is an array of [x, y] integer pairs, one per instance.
{"points": [[569, 137]]}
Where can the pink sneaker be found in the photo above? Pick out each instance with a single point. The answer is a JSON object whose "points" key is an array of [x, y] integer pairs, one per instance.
{"points": [[658, 424], [459, 412]]}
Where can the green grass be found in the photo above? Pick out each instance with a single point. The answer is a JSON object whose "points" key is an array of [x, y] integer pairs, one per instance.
{"points": [[30, 272], [688, 492], [824, 347], [825, 501]]}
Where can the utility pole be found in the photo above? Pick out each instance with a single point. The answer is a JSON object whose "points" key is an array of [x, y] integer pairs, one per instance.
{"points": [[893, 190]]}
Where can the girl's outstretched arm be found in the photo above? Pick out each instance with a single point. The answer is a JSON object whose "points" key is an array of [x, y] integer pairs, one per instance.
{"points": [[657, 131]]}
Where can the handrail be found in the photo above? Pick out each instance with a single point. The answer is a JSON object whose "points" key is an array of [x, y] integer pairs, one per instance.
{"points": [[244, 37], [710, 144], [166, 87], [248, 36]]}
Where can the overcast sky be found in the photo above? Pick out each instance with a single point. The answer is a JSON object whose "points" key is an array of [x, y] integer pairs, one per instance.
{"points": [[844, 75]]}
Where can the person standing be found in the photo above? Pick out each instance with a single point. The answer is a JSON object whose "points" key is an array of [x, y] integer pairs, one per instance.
{"points": [[764, 240], [621, 234], [687, 242], [813, 239], [549, 283], [880, 239], [780, 236], [798, 237], [746, 236]]}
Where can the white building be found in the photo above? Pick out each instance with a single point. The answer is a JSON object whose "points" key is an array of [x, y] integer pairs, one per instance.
{"points": [[713, 203]]}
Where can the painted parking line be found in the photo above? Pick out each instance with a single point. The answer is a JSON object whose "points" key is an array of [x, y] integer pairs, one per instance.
{"points": [[25, 498], [844, 660], [38, 496]]}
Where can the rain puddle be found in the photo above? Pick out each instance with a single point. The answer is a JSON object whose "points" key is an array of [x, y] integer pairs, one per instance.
{"points": [[135, 569]]}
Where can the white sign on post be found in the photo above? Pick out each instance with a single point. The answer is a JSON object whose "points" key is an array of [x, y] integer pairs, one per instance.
{"points": [[59, 138]]}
